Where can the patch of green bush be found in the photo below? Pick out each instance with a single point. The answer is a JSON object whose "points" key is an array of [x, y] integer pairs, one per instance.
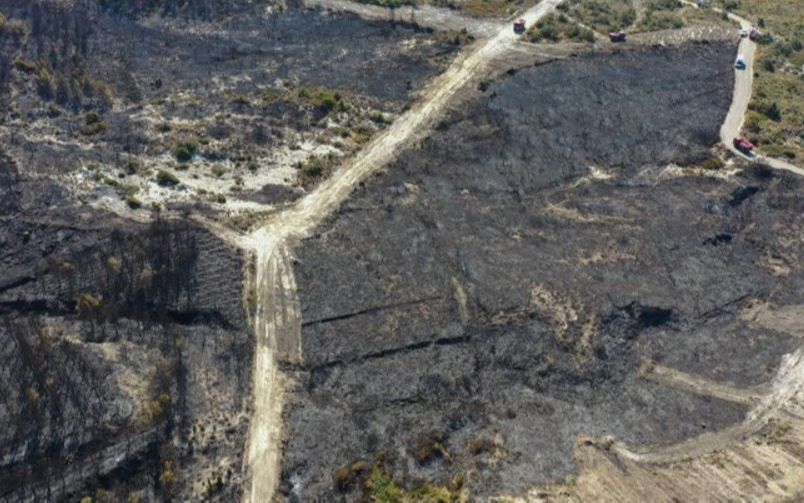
{"points": [[218, 170], [713, 163], [312, 169], [166, 178], [553, 28], [378, 117], [661, 20], [93, 124], [381, 487], [327, 100], [45, 83], [184, 151]]}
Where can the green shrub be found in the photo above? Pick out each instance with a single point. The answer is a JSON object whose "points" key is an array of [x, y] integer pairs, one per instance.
{"points": [[130, 165], [312, 169], [377, 117], [326, 100], [91, 118], [713, 163], [654, 5], [239, 99], [184, 151], [381, 487], [45, 84], [166, 179], [270, 96], [581, 34], [93, 129], [769, 110], [218, 170]]}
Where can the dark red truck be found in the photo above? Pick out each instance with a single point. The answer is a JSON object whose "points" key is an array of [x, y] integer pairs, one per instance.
{"points": [[743, 145]]}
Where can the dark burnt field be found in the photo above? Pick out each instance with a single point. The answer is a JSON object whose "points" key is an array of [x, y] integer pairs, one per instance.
{"points": [[492, 295], [102, 98], [125, 365], [126, 360], [254, 49]]}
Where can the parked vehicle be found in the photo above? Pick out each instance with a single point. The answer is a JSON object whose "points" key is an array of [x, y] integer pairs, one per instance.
{"points": [[743, 145], [618, 36], [519, 26]]}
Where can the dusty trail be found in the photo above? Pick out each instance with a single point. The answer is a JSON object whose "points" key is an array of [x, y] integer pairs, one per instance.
{"points": [[702, 386], [277, 319]]}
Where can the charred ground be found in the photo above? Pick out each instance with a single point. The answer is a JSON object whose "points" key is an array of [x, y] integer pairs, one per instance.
{"points": [[258, 96], [126, 359], [518, 267]]}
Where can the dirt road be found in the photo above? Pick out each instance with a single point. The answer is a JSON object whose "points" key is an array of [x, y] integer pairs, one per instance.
{"points": [[701, 386], [276, 319], [278, 327]]}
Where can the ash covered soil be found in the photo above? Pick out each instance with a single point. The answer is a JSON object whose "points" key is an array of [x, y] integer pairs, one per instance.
{"points": [[103, 99], [492, 295], [125, 366], [126, 360]]}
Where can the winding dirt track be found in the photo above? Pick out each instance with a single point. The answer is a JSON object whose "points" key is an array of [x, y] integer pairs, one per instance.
{"points": [[278, 328]]}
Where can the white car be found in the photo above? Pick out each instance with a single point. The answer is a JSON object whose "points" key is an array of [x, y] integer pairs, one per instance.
{"points": [[743, 33]]}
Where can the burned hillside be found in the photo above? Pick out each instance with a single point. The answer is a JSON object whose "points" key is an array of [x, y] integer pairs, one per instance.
{"points": [[126, 359], [516, 271], [226, 108]]}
